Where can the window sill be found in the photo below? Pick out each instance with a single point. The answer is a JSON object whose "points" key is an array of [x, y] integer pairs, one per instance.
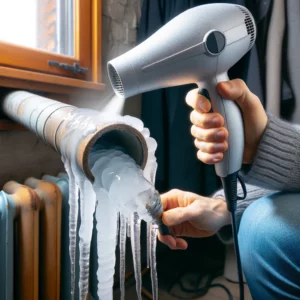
{"points": [[40, 82]]}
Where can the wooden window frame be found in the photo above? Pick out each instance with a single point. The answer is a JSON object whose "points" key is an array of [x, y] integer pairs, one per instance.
{"points": [[27, 68]]}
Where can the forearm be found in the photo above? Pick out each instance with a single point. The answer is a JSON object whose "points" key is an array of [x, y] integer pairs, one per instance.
{"points": [[277, 162]]}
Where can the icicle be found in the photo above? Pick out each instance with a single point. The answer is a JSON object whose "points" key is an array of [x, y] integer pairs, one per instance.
{"points": [[150, 173], [118, 227], [122, 247], [80, 125], [136, 251], [73, 215], [87, 208], [153, 242], [128, 228], [106, 217], [148, 243]]}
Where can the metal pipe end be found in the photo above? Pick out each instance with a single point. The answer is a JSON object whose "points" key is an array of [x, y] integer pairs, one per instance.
{"points": [[117, 134]]}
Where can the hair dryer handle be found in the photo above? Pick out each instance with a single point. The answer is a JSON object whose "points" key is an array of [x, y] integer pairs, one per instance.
{"points": [[233, 122]]}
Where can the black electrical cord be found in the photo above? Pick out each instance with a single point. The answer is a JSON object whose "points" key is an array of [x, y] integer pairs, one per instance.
{"points": [[225, 288], [200, 291], [230, 190], [237, 253]]}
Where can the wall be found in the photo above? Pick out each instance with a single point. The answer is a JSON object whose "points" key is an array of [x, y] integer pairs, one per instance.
{"points": [[22, 154], [119, 26]]}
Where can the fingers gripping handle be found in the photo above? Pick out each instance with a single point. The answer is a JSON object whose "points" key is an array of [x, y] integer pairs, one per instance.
{"points": [[233, 122]]}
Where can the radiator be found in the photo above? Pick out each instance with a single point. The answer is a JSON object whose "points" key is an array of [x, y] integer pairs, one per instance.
{"points": [[62, 182], [34, 251], [34, 242]]}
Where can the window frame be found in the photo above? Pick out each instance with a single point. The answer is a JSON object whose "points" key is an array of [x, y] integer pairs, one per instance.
{"points": [[23, 66]]}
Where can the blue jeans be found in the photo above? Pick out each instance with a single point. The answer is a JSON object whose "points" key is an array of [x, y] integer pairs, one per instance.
{"points": [[269, 238]]}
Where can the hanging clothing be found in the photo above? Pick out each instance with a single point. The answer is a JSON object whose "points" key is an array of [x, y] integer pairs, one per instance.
{"points": [[166, 114], [274, 58], [293, 61], [256, 77], [278, 58]]}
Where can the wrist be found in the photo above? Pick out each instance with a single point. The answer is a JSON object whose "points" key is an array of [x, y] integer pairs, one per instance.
{"points": [[225, 214]]}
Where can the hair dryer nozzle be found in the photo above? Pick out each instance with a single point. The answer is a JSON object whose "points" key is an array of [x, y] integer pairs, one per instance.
{"points": [[115, 80], [123, 75]]}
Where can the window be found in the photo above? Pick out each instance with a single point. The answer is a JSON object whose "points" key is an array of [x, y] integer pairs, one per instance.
{"points": [[54, 42]]}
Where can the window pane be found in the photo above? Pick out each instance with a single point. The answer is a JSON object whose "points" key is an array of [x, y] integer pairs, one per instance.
{"points": [[41, 24]]}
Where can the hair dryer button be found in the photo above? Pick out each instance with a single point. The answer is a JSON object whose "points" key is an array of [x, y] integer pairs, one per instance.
{"points": [[215, 42]]}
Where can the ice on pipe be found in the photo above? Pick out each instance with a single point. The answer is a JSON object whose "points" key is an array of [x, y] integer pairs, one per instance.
{"points": [[128, 230], [122, 247], [136, 251], [122, 180], [152, 145], [134, 122], [129, 192], [120, 193], [153, 242], [73, 206], [148, 244], [106, 217], [87, 208], [81, 125], [145, 132], [118, 228]]}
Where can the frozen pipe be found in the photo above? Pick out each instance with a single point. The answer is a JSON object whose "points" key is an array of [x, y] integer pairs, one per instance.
{"points": [[49, 119]]}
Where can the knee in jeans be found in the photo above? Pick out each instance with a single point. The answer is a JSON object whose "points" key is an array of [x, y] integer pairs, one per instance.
{"points": [[270, 228]]}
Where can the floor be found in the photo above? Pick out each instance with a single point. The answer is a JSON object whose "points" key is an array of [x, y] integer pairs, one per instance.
{"points": [[180, 273], [213, 293]]}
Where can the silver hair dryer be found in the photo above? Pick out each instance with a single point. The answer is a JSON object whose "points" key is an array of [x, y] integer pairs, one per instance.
{"points": [[198, 46]]}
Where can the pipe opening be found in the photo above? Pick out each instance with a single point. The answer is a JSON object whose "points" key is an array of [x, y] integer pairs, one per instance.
{"points": [[130, 139], [115, 80], [129, 142]]}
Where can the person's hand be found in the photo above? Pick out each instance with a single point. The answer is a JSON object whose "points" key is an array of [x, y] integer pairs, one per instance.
{"points": [[208, 127], [190, 215]]}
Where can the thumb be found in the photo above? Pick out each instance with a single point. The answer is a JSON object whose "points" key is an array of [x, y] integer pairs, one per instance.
{"points": [[238, 91], [179, 215]]}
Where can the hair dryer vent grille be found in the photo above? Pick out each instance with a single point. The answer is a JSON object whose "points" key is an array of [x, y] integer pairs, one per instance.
{"points": [[249, 25], [115, 80]]}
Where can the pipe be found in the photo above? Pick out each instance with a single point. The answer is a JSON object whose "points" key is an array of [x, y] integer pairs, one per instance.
{"points": [[49, 120]]}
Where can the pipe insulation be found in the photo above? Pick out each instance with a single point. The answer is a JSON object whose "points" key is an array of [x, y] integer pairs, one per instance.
{"points": [[49, 120]]}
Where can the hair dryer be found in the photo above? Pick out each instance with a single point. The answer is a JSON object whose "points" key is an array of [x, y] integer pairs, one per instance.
{"points": [[198, 46]]}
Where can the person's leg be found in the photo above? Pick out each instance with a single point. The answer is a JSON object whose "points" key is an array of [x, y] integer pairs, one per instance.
{"points": [[269, 238]]}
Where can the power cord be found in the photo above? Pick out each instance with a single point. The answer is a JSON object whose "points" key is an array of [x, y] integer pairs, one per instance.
{"points": [[196, 290], [230, 190], [237, 253], [225, 288], [200, 292]]}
